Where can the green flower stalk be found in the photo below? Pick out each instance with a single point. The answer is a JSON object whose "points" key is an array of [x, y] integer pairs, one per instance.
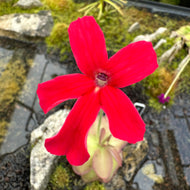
{"points": [[105, 153]]}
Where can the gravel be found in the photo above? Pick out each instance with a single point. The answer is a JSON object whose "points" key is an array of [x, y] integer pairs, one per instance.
{"points": [[15, 170]]}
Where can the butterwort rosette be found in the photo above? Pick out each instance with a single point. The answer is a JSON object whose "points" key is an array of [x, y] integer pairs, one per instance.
{"points": [[105, 153], [96, 88]]}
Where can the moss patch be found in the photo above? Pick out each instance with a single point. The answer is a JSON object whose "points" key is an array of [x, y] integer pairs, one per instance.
{"points": [[166, 46], [3, 129], [56, 5], [95, 186], [60, 178], [8, 7]]}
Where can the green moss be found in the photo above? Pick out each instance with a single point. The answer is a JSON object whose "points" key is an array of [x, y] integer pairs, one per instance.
{"points": [[59, 39], [178, 58], [156, 84], [166, 46], [94, 186], [56, 5], [60, 178], [113, 25], [3, 129], [160, 80], [8, 7], [12, 79]]}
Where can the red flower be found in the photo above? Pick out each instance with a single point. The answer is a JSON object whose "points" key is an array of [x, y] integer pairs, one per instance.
{"points": [[98, 87]]}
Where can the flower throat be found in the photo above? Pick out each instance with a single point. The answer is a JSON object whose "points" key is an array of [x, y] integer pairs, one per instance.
{"points": [[101, 79]]}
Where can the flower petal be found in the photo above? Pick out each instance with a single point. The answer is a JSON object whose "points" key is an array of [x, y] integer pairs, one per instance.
{"points": [[59, 89], [125, 121], [88, 45], [71, 140], [132, 64]]}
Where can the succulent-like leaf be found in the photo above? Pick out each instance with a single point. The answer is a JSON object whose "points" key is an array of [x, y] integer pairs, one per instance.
{"points": [[115, 6], [83, 169], [117, 143], [92, 5], [102, 163], [102, 135], [115, 155], [90, 176]]}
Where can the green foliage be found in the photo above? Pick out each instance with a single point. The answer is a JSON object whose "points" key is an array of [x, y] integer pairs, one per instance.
{"points": [[95, 186], [65, 13], [102, 5], [7, 7]]}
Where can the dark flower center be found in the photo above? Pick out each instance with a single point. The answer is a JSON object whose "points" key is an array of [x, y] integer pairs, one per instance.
{"points": [[101, 79]]}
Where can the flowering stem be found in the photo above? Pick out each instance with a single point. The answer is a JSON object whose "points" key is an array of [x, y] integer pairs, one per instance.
{"points": [[100, 119], [177, 76]]}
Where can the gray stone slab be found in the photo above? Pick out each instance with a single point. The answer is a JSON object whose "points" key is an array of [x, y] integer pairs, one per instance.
{"points": [[28, 4], [33, 79], [16, 135], [187, 175], [5, 57], [182, 135], [143, 181], [53, 69], [169, 158], [26, 27]]}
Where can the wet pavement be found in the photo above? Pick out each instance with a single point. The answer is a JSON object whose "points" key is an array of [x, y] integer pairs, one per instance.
{"points": [[168, 133]]}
